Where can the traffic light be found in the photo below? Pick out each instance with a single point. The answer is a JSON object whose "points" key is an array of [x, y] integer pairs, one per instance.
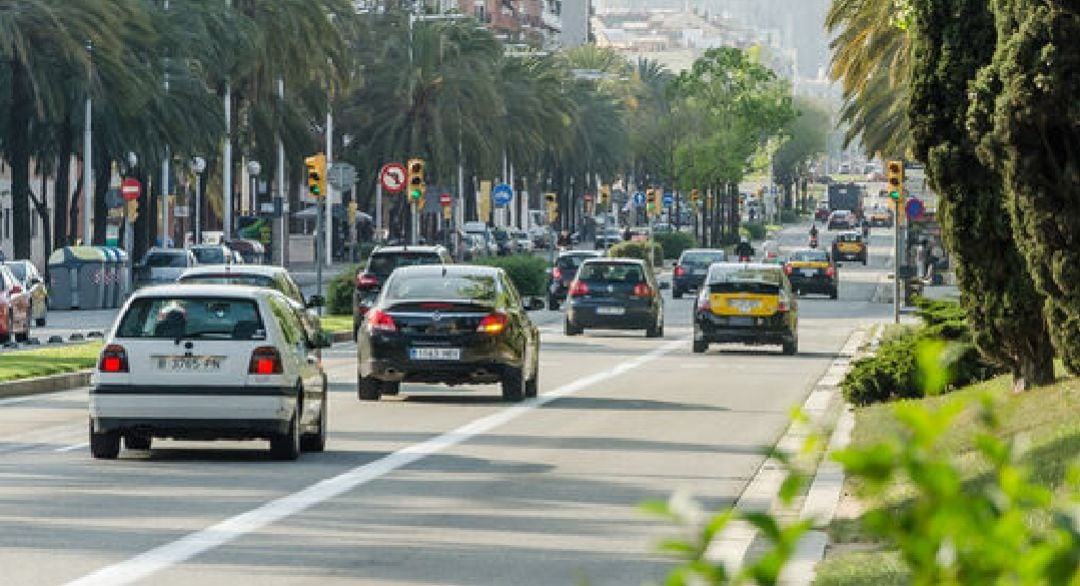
{"points": [[316, 174], [552, 202], [895, 177], [695, 196], [416, 183], [605, 194], [650, 201]]}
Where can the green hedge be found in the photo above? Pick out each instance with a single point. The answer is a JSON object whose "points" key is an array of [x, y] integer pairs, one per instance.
{"points": [[791, 216], [755, 230], [639, 249], [893, 372], [339, 294], [674, 243], [527, 272]]}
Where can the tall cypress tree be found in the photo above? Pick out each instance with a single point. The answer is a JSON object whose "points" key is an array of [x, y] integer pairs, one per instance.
{"points": [[951, 41], [1027, 116]]}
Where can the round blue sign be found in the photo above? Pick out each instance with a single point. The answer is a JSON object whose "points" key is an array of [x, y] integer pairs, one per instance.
{"points": [[914, 208], [669, 200], [639, 199], [502, 194]]}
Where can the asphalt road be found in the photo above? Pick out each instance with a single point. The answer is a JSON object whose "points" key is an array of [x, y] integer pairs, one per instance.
{"points": [[436, 486]]}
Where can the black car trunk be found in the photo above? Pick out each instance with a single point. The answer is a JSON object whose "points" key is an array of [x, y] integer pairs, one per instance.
{"points": [[439, 321]]}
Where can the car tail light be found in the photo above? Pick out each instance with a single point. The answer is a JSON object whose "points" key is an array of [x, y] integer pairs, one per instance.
{"points": [[642, 290], [578, 289], [679, 271], [556, 273], [787, 269], [493, 323], [265, 360], [366, 280], [380, 321], [113, 359], [783, 304], [830, 272], [703, 303]]}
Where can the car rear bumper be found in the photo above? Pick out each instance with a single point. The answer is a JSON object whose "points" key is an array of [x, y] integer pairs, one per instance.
{"points": [[812, 284], [387, 359], [688, 282], [841, 255], [633, 318], [718, 330]]}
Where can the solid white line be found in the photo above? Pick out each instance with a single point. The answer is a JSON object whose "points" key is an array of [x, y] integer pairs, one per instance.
{"points": [[185, 548], [72, 448]]}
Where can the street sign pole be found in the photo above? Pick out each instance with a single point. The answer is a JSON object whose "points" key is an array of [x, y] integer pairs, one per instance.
{"points": [[318, 251], [896, 261], [378, 211], [415, 237]]}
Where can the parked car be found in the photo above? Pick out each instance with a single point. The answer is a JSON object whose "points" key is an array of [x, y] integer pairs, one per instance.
{"points": [[746, 303], [213, 254], [615, 293], [563, 273], [691, 268], [813, 271], [850, 246], [206, 362], [14, 307], [451, 324], [382, 262], [33, 283], [163, 265]]}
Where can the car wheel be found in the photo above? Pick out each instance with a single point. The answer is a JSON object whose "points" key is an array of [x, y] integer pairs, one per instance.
{"points": [[137, 441], [390, 387], [367, 388], [657, 330], [570, 329], [865, 260], [286, 446], [791, 347], [513, 384], [553, 305], [700, 346], [676, 293], [532, 386], [316, 442], [104, 445]]}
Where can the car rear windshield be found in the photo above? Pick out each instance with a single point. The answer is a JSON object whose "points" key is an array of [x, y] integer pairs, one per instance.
{"points": [[607, 271], [703, 259], [480, 288], [384, 264], [209, 256], [253, 280], [19, 270], [810, 256], [166, 260], [849, 238], [570, 262], [217, 318], [764, 280]]}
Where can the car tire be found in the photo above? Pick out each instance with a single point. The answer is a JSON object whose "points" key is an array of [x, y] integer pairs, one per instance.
{"points": [[532, 386], [700, 346], [513, 384], [570, 329], [104, 445], [552, 304], [656, 331], [835, 293], [791, 347], [316, 442], [137, 441], [865, 260], [676, 293], [368, 389], [390, 388], [43, 320], [286, 446]]}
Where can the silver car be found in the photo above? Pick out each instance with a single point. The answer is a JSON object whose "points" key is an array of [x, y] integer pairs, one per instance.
{"points": [[163, 265]]}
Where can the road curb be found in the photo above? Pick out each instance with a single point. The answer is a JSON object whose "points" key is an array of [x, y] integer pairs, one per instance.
{"points": [[45, 384]]}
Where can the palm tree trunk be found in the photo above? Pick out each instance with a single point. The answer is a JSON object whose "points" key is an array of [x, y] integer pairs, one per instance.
{"points": [[101, 185], [19, 156], [62, 185]]}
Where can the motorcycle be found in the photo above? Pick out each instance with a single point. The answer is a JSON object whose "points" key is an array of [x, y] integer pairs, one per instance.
{"points": [[813, 242]]}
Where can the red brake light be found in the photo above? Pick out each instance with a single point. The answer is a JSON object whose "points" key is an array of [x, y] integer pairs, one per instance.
{"points": [[578, 289], [679, 271], [265, 360], [783, 304], [16, 289], [703, 303], [493, 323], [366, 280], [787, 269], [642, 290], [380, 321], [113, 359], [437, 305], [556, 273], [829, 272]]}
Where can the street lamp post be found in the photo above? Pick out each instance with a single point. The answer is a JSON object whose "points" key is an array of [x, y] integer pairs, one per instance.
{"points": [[253, 169], [198, 165]]}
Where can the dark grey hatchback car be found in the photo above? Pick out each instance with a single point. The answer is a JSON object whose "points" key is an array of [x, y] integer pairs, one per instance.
{"points": [[617, 294]]}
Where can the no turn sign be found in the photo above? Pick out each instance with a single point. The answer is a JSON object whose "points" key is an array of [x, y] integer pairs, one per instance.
{"points": [[131, 189], [392, 177]]}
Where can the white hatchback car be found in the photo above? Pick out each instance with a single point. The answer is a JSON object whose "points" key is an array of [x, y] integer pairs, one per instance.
{"points": [[205, 362]]}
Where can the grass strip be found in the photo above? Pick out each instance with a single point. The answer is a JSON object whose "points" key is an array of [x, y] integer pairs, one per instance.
{"points": [[23, 364]]}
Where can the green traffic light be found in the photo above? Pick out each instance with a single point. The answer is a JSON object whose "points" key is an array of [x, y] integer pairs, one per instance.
{"points": [[314, 190], [415, 194], [894, 194]]}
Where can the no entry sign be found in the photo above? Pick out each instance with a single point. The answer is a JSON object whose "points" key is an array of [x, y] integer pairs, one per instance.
{"points": [[131, 189]]}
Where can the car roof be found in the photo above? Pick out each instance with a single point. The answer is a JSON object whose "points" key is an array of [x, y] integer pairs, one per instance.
{"points": [[691, 250], [158, 250], [588, 253], [386, 249], [629, 261], [261, 270], [194, 246], [447, 270], [201, 290], [733, 266]]}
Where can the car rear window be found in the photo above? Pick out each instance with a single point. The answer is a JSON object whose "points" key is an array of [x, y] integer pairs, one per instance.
{"points": [[699, 259], [209, 256], [217, 318], [849, 238], [810, 256], [19, 270], [166, 260], [384, 264], [231, 279], [444, 288], [606, 271], [745, 279]]}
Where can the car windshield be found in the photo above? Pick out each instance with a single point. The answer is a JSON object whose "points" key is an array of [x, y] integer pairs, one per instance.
{"points": [[192, 317], [166, 260], [384, 264], [810, 256], [853, 237], [442, 287], [604, 271], [229, 279], [19, 270], [745, 279], [209, 256], [703, 259]]}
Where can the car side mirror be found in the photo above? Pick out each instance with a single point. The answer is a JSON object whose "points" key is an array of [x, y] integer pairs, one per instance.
{"points": [[316, 301], [322, 340], [535, 303]]}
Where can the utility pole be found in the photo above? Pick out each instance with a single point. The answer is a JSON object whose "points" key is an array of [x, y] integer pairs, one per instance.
{"points": [[165, 231], [226, 169], [328, 197], [88, 155]]}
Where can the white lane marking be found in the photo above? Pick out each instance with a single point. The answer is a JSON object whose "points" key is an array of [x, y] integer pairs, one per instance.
{"points": [[185, 548], [72, 448]]}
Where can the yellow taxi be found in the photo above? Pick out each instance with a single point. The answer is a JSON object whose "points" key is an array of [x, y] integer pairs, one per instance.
{"points": [[880, 218], [746, 303], [850, 246], [812, 271]]}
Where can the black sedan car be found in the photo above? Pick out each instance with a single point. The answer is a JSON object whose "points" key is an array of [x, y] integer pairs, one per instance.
{"points": [[690, 271], [615, 293], [812, 271], [563, 273], [450, 324], [380, 264]]}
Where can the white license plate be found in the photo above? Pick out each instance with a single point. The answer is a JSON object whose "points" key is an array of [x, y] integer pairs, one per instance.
{"points": [[740, 321], [744, 306], [700, 271], [809, 272], [189, 363], [435, 353], [610, 310]]}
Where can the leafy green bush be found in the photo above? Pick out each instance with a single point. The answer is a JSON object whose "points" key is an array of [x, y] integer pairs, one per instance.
{"points": [[790, 216], [339, 294], [754, 230], [639, 249], [527, 272], [674, 243]]}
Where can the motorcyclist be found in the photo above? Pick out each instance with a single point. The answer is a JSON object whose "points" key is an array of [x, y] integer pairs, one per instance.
{"points": [[564, 239], [813, 236], [743, 250], [865, 228]]}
